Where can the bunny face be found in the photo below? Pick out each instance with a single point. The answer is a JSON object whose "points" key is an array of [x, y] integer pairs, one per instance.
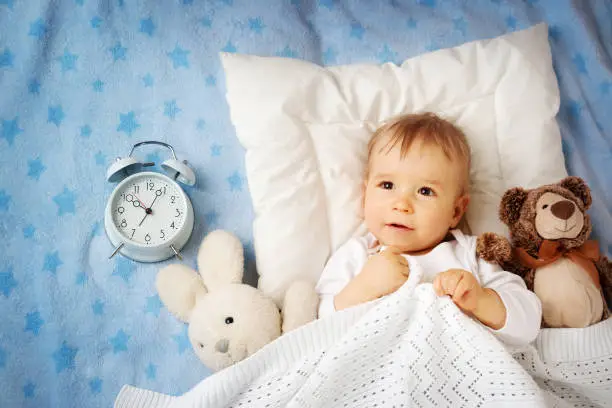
{"points": [[230, 323]]}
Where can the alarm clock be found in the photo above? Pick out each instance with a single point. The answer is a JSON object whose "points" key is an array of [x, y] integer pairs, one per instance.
{"points": [[149, 217]]}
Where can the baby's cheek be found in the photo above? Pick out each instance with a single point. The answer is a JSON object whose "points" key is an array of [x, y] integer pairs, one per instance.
{"points": [[371, 213], [442, 215]]}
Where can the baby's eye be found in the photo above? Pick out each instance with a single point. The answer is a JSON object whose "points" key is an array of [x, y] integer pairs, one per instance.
{"points": [[426, 191], [386, 185]]}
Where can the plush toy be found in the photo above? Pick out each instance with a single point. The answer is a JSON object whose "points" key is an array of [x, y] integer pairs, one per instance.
{"points": [[549, 248], [229, 320]]}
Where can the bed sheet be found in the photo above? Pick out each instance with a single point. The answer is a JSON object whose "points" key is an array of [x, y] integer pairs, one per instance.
{"points": [[81, 81]]}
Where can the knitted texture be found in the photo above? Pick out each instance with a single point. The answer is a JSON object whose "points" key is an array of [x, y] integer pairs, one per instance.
{"points": [[408, 349]]}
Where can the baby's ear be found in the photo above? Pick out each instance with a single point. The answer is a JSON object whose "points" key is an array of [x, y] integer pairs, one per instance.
{"points": [[461, 206], [362, 206]]}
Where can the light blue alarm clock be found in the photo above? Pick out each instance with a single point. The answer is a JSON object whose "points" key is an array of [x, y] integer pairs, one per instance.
{"points": [[149, 217]]}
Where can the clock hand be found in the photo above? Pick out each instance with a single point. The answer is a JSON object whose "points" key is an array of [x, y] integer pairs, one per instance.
{"points": [[151, 206], [148, 210], [156, 195], [141, 203], [143, 218]]}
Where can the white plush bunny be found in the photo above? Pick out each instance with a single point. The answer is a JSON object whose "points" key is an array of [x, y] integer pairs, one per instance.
{"points": [[229, 320]]}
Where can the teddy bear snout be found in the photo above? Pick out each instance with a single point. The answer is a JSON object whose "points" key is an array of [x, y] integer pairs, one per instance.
{"points": [[563, 209], [222, 346]]}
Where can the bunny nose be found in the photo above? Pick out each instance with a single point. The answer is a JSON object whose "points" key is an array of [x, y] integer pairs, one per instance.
{"points": [[563, 209], [222, 345]]}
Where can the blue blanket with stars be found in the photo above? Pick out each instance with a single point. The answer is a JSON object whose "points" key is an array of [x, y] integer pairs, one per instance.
{"points": [[81, 81]]}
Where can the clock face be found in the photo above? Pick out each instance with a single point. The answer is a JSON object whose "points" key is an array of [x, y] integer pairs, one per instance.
{"points": [[149, 210]]}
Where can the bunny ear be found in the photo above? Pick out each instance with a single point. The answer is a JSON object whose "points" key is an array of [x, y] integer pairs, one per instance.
{"points": [[221, 259], [299, 305], [178, 287]]}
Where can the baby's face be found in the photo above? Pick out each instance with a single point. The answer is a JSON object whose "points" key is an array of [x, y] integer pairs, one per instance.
{"points": [[411, 202]]}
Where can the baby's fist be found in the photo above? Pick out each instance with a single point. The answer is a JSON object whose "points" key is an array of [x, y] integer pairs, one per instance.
{"points": [[461, 286]]}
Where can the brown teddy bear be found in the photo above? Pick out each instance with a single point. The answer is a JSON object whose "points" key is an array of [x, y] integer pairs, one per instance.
{"points": [[549, 229]]}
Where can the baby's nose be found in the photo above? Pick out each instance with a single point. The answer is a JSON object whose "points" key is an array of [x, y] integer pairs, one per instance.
{"points": [[403, 205], [222, 345], [405, 209]]}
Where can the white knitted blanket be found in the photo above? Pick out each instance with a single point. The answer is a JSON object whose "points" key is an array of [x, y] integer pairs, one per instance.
{"points": [[409, 349]]}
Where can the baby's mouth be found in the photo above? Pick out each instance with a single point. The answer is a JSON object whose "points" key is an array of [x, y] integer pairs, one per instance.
{"points": [[400, 226]]}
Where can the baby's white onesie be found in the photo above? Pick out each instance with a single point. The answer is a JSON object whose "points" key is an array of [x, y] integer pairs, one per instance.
{"points": [[523, 308]]}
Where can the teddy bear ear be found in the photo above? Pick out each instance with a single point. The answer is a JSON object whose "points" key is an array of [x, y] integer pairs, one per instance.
{"points": [[511, 204], [580, 189], [221, 259]]}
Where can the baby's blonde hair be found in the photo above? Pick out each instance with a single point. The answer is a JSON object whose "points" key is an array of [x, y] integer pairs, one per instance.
{"points": [[427, 128]]}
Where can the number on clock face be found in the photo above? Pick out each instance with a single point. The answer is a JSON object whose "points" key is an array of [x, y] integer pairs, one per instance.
{"points": [[149, 211]]}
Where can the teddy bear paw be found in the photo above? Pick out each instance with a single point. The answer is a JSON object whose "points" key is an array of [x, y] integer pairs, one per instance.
{"points": [[493, 248]]}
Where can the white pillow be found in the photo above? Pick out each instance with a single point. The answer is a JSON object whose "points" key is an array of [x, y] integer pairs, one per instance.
{"points": [[305, 129]]}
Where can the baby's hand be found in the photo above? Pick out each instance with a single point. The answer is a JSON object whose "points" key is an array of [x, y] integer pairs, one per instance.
{"points": [[381, 275], [482, 303], [461, 286], [386, 271]]}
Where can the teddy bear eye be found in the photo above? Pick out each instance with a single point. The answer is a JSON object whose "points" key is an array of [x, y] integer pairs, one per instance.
{"points": [[229, 320], [545, 206], [201, 345]]}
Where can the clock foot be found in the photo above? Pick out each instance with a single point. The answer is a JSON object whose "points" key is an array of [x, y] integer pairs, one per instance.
{"points": [[178, 255], [116, 250]]}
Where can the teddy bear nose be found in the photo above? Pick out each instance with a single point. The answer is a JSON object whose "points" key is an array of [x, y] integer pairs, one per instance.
{"points": [[222, 345], [563, 209]]}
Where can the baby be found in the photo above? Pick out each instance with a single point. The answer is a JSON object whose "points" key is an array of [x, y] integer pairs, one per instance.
{"points": [[414, 195]]}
